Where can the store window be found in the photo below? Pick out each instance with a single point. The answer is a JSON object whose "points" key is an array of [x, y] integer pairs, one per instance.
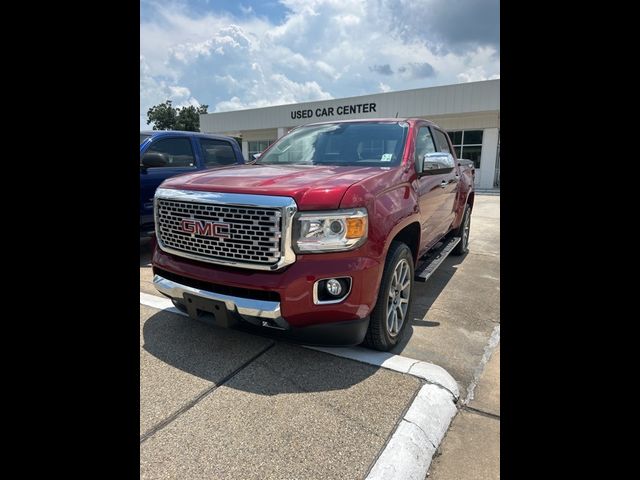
{"points": [[467, 144], [258, 146]]}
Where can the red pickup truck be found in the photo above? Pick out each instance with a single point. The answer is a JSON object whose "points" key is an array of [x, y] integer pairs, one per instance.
{"points": [[322, 236]]}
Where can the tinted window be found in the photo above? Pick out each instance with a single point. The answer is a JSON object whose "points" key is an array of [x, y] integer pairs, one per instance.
{"points": [[175, 152], [217, 152], [378, 144], [424, 145], [441, 141]]}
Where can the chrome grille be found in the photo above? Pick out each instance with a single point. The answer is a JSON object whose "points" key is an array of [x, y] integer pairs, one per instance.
{"points": [[254, 233]]}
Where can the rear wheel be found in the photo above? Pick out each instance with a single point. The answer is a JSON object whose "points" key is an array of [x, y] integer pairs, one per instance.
{"points": [[463, 232], [390, 316]]}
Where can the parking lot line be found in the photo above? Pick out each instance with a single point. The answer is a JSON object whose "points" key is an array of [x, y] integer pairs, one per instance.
{"points": [[161, 303]]}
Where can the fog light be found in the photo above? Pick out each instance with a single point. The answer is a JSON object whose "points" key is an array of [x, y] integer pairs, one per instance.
{"points": [[331, 290], [334, 287]]}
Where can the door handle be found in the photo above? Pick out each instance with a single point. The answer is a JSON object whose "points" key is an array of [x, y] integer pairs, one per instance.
{"points": [[444, 183]]}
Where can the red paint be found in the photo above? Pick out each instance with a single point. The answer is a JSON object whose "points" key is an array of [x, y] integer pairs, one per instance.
{"points": [[395, 198]]}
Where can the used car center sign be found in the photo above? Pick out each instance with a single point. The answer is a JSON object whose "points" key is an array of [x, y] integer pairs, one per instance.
{"points": [[330, 111]]}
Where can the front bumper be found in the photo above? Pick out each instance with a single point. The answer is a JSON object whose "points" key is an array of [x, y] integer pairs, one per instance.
{"points": [[253, 311], [289, 291], [264, 313]]}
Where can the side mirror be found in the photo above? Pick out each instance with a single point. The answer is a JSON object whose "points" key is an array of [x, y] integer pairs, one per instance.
{"points": [[254, 159], [466, 163], [153, 160], [437, 163]]}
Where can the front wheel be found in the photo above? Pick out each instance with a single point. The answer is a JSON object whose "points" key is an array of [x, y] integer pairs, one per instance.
{"points": [[390, 316]]}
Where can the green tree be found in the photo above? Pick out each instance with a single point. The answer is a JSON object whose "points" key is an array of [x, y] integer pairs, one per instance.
{"points": [[165, 116], [189, 118]]}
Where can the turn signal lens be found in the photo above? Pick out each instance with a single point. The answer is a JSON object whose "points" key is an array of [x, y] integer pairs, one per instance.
{"points": [[356, 227]]}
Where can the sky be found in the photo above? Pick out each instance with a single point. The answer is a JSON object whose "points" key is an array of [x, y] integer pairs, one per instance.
{"points": [[238, 54]]}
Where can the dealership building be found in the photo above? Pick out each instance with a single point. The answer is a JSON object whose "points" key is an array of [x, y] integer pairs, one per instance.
{"points": [[469, 112]]}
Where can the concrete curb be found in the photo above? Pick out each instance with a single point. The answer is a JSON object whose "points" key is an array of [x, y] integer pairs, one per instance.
{"points": [[429, 372], [408, 453], [410, 449]]}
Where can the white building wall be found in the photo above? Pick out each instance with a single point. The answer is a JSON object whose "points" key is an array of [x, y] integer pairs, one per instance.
{"points": [[465, 106], [486, 172], [447, 100]]}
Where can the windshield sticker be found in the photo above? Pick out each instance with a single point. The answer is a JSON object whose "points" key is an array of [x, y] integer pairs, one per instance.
{"points": [[386, 157]]}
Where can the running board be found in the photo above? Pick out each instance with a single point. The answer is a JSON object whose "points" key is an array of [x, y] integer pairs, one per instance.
{"points": [[434, 259]]}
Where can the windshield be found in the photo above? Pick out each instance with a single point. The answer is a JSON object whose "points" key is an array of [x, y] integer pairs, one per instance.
{"points": [[143, 137], [367, 144]]}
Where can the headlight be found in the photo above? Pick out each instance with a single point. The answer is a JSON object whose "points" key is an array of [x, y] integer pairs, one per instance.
{"points": [[330, 231]]}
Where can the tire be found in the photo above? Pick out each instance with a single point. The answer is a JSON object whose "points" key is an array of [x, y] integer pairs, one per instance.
{"points": [[380, 335], [463, 232]]}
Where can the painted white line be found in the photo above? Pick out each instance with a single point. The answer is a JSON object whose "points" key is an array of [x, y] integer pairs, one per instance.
{"points": [[409, 452], [427, 371], [161, 303]]}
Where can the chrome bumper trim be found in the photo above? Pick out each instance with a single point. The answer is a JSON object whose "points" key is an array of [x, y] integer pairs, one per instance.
{"points": [[245, 307]]}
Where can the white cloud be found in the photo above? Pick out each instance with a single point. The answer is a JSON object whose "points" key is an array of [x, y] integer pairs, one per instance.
{"points": [[246, 10], [321, 49], [476, 74]]}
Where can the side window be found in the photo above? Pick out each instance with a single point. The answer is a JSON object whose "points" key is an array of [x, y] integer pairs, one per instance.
{"points": [[172, 152], [441, 140], [424, 145], [217, 153]]}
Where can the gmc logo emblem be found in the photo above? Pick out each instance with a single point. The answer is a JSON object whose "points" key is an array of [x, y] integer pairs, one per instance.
{"points": [[204, 228]]}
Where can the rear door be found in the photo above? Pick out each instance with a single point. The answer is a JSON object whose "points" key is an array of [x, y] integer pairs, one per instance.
{"points": [[431, 194], [447, 207], [177, 156]]}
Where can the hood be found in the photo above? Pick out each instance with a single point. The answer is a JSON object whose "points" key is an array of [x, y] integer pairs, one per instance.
{"points": [[312, 187]]}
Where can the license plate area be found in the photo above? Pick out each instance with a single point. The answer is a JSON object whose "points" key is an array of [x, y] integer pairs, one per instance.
{"points": [[208, 310]]}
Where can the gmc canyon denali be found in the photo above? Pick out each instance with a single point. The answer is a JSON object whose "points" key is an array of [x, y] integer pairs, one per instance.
{"points": [[322, 237]]}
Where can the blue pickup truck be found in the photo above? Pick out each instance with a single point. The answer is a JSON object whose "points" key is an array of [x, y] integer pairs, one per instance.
{"points": [[165, 153]]}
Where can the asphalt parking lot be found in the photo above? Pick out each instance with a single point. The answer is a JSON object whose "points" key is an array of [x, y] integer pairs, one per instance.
{"points": [[221, 403]]}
